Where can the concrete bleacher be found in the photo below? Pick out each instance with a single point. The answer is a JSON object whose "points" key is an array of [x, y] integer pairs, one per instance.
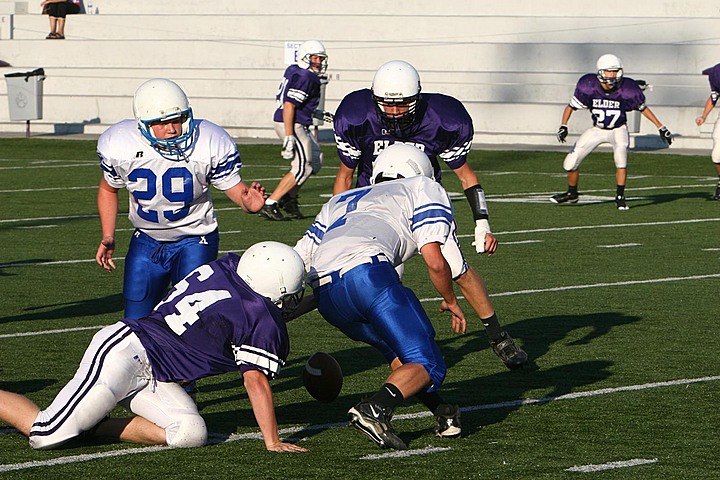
{"points": [[513, 64]]}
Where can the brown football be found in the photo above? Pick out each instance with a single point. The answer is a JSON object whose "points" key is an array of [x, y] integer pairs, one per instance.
{"points": [[322, 377]]}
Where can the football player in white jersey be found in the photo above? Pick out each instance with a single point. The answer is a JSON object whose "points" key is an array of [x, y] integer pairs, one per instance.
{"points": [[167, 160], [351, 251], [394, 111]]}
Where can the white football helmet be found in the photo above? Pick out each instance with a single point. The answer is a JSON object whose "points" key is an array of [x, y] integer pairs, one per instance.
{"points": [[400, 160], [609, 62], [274, 270], [308, 49], [396, 83], [158, 100]]}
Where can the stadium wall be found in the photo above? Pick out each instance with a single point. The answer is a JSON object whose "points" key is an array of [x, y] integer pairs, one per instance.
{"points": [[513, 64]]}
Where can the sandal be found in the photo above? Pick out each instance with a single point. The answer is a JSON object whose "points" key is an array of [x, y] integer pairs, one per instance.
{"points": [[59, 37], [51, 35]]}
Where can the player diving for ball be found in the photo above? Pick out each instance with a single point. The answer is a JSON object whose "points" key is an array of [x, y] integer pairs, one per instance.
{"points": [[351, 251], [225, 316]]}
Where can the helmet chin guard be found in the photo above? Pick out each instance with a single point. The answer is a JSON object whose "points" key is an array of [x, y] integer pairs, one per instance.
{"points": [[160, 100], [609, 63], [396, 84]]}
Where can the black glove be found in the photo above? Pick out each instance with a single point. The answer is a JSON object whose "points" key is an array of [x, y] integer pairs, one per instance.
{"points": [[665, 135], [562, 133]]}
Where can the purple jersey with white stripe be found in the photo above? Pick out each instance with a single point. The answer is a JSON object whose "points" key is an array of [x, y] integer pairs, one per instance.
{"points": [[608, 108], [300, 87], [713, 74], [443, 129], [210, 323]]}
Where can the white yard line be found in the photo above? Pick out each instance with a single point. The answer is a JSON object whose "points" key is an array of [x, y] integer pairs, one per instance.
{"points": [[49, 189], [405, 453], [610, 465], [514, 232], [292, 430], [620, 245], [437, 299]]}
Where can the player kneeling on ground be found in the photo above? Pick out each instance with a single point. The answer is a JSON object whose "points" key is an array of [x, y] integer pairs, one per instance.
{"points": [[232, 301]]}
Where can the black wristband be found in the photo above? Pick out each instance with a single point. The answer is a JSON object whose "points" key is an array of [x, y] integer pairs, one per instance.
{"points": [[476, 198]]}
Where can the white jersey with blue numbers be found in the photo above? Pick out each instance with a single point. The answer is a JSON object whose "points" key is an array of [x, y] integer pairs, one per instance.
{"points": [[170, 200], [394, 218]]}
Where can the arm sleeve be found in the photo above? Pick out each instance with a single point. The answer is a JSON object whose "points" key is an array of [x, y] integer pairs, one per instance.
{"points": [[432, 217], [226, 162], [107, 164], [346, 135]]}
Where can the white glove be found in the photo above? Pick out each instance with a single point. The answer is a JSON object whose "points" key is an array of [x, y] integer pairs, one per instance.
{"points": [[288, 148], [481, 228], [324, 115]]}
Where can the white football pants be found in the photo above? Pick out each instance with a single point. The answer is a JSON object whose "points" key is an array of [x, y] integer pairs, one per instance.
{"points": [[115, 370], [619, 138]]}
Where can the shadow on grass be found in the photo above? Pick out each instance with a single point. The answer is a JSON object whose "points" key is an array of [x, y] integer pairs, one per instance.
{"points": [[27, 386], [493, 396], [648, 200], [82, 308]]}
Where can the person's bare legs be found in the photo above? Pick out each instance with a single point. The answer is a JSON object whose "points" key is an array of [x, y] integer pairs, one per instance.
{"points": [[21, 412], [53, 24], [18, 411], [573, 177], [131, 429], [409, 378], [60, 26], [287, 184], [621, 176]]}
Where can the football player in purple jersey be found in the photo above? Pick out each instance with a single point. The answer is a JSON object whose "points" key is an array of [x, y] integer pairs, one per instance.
{"points": [[609, 96], [297, 100], [392, 111], [713, 74], [225, 316]]}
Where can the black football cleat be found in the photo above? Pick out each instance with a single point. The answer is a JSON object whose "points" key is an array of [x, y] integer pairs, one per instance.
{"points": [[291, 207], [565, 197], [448, 418], [717, 192], [512, 356], [272, 212], [374, 421], [621, 203]]}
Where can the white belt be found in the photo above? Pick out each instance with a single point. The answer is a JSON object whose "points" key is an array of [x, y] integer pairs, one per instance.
{"points": [[334, 276]]}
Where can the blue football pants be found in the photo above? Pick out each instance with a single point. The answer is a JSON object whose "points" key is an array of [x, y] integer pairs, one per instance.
{"points": [[152, 266], [369, 304]]}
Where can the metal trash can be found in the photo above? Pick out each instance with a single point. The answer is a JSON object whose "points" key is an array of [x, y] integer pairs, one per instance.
{"points": [[25, 92]]}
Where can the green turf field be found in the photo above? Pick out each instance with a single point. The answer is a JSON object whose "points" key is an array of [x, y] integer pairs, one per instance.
{"points": [[617, 310]]}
